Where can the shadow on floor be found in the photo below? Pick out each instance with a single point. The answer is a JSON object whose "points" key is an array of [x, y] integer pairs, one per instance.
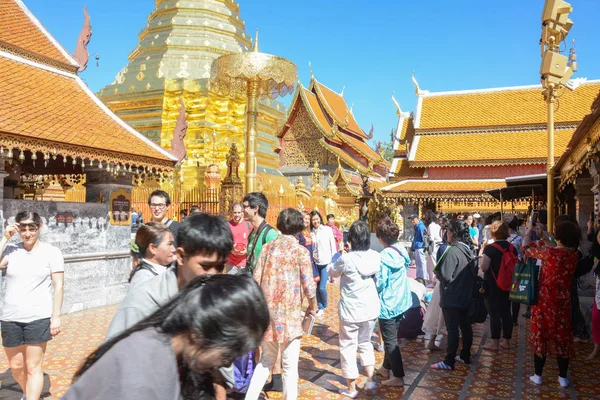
{"points": [[10, 389]]}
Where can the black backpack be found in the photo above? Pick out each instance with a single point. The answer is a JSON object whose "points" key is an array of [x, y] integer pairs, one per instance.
{"points": [[477, 310]]}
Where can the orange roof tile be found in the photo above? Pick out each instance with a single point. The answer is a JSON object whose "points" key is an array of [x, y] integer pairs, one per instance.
{"points": [[499, 148], [424, 185], [18, 27], [503, 106], [403, 170], [365, 149], [336, 107], [46, 106], [317, 111]]}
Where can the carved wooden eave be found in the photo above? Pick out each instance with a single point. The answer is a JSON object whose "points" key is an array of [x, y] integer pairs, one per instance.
{"points": [[583, 147]]}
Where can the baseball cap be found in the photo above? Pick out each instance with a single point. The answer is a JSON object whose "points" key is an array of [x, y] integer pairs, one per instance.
{"points": [[476, 215]]}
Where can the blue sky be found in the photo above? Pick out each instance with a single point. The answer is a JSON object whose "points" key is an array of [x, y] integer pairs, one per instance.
{"points": [[370, 47]]}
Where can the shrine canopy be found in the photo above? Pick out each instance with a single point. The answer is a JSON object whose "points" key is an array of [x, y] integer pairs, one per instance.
{"points": [[49, 114]]}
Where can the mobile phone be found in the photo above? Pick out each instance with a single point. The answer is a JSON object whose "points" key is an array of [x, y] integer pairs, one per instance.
{"points": [[308, 324], [534, 217]]}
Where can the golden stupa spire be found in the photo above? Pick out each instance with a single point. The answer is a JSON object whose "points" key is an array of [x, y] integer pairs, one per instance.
{"points": [[255, 46]]}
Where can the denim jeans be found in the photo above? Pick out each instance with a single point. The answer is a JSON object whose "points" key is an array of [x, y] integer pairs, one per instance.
{"points": [[322, 290]]}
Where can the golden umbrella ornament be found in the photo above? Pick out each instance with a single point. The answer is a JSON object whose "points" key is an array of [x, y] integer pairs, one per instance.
{"points": [[256, 76]]}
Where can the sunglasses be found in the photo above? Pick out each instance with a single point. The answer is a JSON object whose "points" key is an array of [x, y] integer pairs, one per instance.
{"points": [[28, 227]]}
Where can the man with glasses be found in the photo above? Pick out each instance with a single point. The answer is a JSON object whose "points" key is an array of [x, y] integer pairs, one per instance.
{"points": [[159, 202], [255, 211], [204, 244]]}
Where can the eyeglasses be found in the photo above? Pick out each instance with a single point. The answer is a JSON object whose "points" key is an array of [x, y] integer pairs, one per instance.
{"points": [[161, 206], [28, 227]]}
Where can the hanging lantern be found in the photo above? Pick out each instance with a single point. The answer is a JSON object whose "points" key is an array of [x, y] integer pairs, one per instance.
{"points": [[22, 156], [33, 157]]}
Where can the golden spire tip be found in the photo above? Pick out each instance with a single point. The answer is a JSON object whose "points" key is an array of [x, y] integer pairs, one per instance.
{"points": [[255, 46]]}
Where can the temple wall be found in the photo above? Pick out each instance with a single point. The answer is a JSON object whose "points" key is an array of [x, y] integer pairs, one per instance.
{"points": [[485, 172], [97, 261]]}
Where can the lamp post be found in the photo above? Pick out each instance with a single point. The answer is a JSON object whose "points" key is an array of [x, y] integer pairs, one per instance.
{"points": [[556, 70], [256, 76]]}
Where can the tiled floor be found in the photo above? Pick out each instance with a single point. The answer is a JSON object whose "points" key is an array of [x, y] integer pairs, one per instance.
{"points": [[491, 376]]}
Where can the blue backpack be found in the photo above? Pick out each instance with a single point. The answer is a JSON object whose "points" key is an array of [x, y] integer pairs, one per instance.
{"points": [[243, 369]]}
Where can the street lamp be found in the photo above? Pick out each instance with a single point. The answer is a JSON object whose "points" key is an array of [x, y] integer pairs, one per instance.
{"points": [[256, 76], [556, 70]]}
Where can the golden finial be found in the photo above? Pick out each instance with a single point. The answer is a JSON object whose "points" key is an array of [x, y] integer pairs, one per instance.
{"points": [[281, 191], [312, 75], [255, 46], [342, 92], [347, 117], [352, 108], [339, 163], [417, 89]]}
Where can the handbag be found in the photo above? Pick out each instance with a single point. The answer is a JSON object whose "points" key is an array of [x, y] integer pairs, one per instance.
{"points": [[477, 309], [524, 288]]}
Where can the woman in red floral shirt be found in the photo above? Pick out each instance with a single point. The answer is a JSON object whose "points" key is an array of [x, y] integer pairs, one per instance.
{"points": [[284, 273], [551, 330]]}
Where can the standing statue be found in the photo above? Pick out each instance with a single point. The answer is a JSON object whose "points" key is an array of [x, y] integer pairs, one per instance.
{"points": [[81, 53], [233, 164], [177, 144]]}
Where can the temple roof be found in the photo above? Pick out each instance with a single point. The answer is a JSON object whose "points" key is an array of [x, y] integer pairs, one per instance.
{"points": [[49, 110], [317, 101], [336, 107], [20, 31], [521, 105], [430, 189], [497, 148]]}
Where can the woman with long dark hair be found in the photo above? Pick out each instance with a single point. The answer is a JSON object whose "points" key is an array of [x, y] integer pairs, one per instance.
{"points": [[457, 279], [173, 353], [32, 300]]}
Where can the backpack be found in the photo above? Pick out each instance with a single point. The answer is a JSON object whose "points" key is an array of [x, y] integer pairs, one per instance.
{"points": [[141, 266], [507, 266]]}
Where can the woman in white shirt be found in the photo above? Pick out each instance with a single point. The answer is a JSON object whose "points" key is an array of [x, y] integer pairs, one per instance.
{"points": [[32, 301], [434, 232], [324, 248], [358, 307], [156, 249]]}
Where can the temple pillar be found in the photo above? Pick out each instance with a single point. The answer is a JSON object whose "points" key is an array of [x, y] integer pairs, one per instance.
{"points": [[101, 183], [584, 198], [569, 204]]}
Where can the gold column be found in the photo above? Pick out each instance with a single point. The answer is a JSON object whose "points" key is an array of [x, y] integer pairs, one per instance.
{"points": [[251, 137], [550, 163]]}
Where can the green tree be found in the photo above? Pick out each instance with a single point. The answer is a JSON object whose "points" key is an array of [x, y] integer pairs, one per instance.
{"points": [[384, 149]]}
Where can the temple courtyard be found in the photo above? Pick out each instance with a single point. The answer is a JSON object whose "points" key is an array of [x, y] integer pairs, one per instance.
{"points": [[490, 376]]}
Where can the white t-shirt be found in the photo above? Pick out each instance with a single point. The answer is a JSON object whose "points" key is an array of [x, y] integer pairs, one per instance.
{"points": [[28, 295]]}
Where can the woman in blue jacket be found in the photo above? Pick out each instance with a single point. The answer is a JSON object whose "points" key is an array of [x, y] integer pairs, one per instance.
{"points": [[395, 298]]}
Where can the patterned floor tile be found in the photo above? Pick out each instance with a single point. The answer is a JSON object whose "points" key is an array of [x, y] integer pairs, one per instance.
{"points": [[491, 376]]}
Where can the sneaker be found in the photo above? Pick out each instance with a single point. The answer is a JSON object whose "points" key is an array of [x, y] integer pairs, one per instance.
{"points": [[320, 313], [379, 347]]}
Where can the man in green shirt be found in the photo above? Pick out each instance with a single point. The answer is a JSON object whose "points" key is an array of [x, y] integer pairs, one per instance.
{"points": [[255, 211]]}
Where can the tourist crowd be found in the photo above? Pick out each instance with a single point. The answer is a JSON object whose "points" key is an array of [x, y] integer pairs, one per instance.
{"points": [[218, 308]]}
